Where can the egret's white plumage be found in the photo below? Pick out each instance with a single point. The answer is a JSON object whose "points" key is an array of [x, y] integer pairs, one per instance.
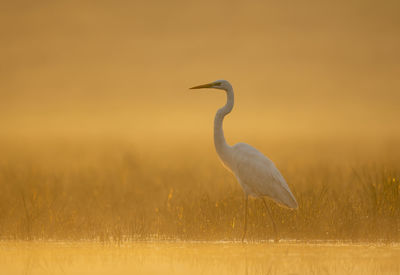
{"points": [[257, 174], [259, 177]]}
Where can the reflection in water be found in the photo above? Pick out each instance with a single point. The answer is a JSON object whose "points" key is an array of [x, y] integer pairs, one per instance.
{"points": [[197, 258]]}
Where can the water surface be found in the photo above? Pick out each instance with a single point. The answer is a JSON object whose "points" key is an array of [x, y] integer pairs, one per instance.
{"points": [[197, 258]]}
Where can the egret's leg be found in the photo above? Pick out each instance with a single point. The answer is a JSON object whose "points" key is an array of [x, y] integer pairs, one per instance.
{"points": [[273, 223], [246, 199]]}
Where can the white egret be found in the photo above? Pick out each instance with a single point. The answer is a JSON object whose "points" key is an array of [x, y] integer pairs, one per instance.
{"points": [[256, 173]]}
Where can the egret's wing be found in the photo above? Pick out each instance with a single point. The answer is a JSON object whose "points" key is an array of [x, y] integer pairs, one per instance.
{"points": [[259, 175]]}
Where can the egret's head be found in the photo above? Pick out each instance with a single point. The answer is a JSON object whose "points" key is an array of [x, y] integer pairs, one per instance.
{"points": [[219, 84]]}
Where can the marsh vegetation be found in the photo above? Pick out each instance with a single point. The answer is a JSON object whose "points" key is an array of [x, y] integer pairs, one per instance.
{"points": [[113, 192]]}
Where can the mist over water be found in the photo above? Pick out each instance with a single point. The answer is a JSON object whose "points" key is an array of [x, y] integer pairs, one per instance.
{"points": [[107, 163]]}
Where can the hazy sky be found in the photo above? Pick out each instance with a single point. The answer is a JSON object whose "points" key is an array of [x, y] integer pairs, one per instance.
{"points": [[123, 67]]}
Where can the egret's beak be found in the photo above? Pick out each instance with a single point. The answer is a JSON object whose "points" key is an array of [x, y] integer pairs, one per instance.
{"points": [[209, 85]]}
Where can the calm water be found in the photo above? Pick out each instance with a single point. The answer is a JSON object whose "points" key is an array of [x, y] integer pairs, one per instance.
{"points": [[197, 258]]}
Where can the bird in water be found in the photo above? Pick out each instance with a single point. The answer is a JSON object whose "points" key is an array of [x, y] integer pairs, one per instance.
{"points": [[256, 174]]}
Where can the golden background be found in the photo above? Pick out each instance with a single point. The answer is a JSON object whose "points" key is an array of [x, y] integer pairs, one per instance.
{"points": [[101, 139], [122, 69]]}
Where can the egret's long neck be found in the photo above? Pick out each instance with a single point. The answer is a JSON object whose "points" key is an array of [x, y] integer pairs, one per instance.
{"points": [[219, 140]]}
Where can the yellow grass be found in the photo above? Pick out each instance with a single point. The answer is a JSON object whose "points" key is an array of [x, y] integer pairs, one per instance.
{"points": [[119, 191]]}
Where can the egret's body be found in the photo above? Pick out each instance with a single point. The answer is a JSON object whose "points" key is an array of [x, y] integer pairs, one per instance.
{"points": [[256, 174]]}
